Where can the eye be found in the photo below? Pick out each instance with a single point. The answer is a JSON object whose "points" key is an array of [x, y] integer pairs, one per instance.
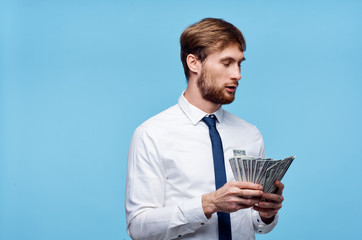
{"points": [[226, 64]]}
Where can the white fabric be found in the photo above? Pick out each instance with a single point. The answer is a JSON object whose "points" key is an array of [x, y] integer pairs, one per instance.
{"points": [[170, 166]]}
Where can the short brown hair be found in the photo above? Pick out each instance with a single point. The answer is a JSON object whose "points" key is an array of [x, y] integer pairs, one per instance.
{"points": [[207, 35]]}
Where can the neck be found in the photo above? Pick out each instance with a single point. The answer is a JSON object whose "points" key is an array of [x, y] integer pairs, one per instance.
{"points": [[193, 96]]}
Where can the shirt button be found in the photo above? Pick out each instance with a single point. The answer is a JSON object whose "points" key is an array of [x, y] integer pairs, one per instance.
{"points": [[260, 231], [179, 236], [202, 223], [258, 220]]}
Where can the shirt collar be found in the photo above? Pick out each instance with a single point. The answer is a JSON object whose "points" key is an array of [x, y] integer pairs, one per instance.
{"points": [[195, 114]]}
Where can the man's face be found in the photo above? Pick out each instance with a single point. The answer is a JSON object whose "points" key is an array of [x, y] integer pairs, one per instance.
{"points": [[220, 74]]}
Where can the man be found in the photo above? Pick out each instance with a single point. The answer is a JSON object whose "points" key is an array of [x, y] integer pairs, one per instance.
{"points": [[174, 160]]}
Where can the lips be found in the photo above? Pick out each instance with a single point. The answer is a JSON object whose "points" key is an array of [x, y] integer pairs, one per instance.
{"points": [[231, 88]]}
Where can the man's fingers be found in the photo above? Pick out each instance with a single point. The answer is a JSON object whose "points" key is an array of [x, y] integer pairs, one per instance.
{"points": [[280, 187], [270, 205], [246, 203], [270, 211], [248, 185], [245, 193], [273, 197]]}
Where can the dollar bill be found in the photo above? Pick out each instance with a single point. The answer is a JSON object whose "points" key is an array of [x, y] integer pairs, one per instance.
{"points": [[239, 152], [257, 170]]}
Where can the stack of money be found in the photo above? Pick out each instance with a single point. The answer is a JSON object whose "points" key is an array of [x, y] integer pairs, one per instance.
{"points": [[257, 170]]}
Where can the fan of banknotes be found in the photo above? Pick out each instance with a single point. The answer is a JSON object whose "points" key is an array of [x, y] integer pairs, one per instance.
{"points": [[258, 170]]}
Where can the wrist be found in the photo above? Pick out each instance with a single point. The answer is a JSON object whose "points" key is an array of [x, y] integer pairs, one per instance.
{"points": [[267, 220], [208, 205]]}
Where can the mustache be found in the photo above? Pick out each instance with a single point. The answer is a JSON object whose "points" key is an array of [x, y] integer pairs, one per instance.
{"points": [[235, 84]]}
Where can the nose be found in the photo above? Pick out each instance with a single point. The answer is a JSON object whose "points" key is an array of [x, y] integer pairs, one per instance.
{"points": [[236, 75]]}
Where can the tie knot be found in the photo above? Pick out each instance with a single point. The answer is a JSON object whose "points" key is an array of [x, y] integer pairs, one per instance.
{"points": [[210, 121]]}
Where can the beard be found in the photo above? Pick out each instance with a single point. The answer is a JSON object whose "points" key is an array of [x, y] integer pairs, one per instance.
{"points": [[211, 92]]}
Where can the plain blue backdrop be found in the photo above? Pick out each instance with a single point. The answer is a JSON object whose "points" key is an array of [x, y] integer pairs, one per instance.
{"points": [[77, 77]]}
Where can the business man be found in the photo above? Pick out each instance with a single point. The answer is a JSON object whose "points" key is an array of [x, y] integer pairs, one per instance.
{"points": [[179, 181]]}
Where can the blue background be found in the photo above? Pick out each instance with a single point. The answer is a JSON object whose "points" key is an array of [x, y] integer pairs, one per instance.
{"points": [[77, 77]]}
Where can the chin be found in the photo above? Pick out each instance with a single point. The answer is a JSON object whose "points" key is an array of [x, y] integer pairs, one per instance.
{"points": [[229, 98], [226, 99]]}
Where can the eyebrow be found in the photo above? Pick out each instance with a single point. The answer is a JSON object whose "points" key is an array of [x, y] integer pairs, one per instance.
{"points": [[232, 59]]}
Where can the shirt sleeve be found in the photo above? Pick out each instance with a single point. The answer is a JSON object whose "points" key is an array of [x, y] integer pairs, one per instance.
{"points": [[259, 226], [147, 215]]}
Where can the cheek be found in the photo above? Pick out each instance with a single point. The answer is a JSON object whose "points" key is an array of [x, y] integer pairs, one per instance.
{"points": [[218, 76]]}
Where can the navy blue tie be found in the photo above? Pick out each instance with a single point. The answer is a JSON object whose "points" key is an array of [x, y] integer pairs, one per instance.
{"points": [[220, 176]]}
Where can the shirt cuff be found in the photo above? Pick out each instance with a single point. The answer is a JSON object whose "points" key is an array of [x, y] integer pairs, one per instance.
{"points": [[261, 227], [194, 214]]}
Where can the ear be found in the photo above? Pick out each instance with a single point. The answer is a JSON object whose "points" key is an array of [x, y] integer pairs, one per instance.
{"points": [[193, 63]]}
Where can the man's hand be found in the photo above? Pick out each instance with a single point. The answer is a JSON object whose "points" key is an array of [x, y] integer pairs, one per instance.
{"points": [[232, 197], [270, 204]]}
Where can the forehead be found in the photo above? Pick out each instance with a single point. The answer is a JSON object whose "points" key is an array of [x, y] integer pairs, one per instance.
{"points": [[231, 51]]}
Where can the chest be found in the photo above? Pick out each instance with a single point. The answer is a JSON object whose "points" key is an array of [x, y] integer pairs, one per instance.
{"points": [[188, 160]]}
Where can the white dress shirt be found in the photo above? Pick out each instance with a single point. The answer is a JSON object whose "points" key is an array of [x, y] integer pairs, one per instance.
{"points": [[170, 166]]}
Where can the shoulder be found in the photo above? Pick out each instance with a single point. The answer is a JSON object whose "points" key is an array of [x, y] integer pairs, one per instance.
{"points": [[161, 121], [163, 117]]}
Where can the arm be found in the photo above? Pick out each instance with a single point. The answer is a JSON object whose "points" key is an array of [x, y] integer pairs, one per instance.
{"points": [[147, 216]]}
